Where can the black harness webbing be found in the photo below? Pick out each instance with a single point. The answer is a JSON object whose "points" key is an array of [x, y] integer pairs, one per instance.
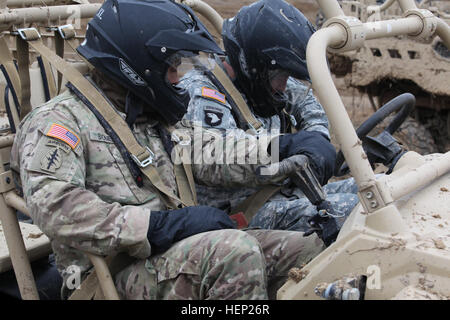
{"points": [[10, 87], [44, 78]]}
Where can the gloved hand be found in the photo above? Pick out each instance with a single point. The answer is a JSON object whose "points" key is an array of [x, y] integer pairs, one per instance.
{"points": [[170, 226], [321, 153], [283, 168]]}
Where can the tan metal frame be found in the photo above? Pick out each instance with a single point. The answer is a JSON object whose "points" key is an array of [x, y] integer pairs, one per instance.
{"points": [[9, 200], [207, 11], [340, 33], [379, 218], [45, 14], [13, 235], [343, 33], [27, 3]]}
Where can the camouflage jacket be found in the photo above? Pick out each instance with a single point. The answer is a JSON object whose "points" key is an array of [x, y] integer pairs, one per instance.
{"points": [[80, 191], [211, 109], [78, 187]]}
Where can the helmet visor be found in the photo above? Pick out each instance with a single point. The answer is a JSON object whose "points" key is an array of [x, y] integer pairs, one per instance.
{"points": [[279, 84], [278, 81], [183, 62]]}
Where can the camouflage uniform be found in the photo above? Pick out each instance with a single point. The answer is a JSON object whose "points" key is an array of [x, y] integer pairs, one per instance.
{"points": [[83, 197], [288, 209]]}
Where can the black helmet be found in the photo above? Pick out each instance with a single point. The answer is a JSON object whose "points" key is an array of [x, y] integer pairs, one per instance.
{"points": [[266, 36], [135, 42]]}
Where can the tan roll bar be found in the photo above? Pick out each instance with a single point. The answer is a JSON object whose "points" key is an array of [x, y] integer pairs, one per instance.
{"points": [[207, 11], [9, 200], [17, 252], [46, 14], [13, 235], [342, 33], [442, 30], [105, 279], [421, 177], [330, 8], [25, 3], [19, 259]]}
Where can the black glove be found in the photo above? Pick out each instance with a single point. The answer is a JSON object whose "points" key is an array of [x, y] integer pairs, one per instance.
{"points": [[321, 153], [170, 226], [324, 223]]}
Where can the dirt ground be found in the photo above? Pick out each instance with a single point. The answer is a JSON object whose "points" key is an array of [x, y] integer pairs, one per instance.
{"points": [[229, 8]]}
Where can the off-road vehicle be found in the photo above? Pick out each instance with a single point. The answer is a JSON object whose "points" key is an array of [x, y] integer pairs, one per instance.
{"points": [[394, 245], [384, 68]]}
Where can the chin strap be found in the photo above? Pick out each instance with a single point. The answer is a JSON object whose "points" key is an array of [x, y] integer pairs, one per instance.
{"points": [[133, 108]]}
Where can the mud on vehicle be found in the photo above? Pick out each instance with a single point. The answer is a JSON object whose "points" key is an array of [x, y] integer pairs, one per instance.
{"points": [[394, 245], [384, 68]]}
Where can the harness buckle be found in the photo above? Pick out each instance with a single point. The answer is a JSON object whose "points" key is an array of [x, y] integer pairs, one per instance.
{"points": [[25, 34], [147, 161], [66, 31]]}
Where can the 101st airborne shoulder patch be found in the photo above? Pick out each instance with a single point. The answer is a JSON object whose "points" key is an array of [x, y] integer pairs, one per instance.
{"points": [[213, 118]]}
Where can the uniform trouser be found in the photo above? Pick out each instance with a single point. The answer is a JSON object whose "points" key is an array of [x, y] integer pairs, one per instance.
{"points": [[293, 212], [289, 209], [224, 264]]}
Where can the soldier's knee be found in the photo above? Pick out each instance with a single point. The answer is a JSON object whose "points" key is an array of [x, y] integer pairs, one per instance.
{"points": [[239, 250], [294, 246], [236, 267], [310, 247], [289, 245], [239, 243]]}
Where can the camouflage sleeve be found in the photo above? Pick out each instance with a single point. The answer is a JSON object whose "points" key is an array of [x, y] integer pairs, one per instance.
{"points": [[207, 106], [53, 171], [305, 108], [228, 158], [222, 154]]}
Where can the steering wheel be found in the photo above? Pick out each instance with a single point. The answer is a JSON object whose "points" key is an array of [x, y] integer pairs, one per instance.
{"points": [[405, 102]]}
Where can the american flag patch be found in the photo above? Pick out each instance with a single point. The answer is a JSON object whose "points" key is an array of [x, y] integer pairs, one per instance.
{"points": [[213, 94], [59, 132]]}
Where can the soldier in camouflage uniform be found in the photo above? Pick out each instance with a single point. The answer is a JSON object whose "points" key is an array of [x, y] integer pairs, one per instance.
{"points": [[266, 43], [84, 197]]}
